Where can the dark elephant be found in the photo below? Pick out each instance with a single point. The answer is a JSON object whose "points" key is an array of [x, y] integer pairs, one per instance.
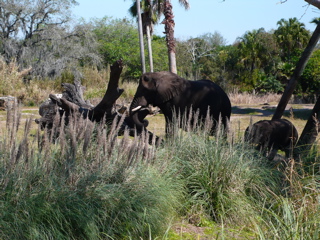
{"points": [[271, 135], [176, 96]]}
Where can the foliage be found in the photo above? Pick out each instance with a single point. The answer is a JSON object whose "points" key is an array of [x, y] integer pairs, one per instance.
{"points": [[258, 61], [13, 82], [195, 51], [310, 79], [291, 35], [159, 50], [269, 84], [118, 39]]}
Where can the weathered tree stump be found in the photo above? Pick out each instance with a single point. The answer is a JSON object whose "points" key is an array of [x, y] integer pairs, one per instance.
{"points": [[72, 104], [7, 102]]}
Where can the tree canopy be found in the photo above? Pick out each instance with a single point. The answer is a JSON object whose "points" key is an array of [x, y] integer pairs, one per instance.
{"points": [[39, 34], [42, 35]]}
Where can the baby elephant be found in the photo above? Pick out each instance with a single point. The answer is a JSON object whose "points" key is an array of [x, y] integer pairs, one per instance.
{"points": [[271, 135]]}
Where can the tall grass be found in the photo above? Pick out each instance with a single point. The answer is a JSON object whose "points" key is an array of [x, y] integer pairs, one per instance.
{"points": [[90, 184], [86, 185], [225, 179], [293, 216]]}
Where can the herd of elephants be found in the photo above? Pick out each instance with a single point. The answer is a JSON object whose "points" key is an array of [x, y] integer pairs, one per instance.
{"points": [[176, 97], [173, 94]]}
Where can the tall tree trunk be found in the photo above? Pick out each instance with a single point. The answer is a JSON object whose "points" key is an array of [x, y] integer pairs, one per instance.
{"points": [[149, 48], [309, 133], [297, 73], [143, 65], [169, 31]]}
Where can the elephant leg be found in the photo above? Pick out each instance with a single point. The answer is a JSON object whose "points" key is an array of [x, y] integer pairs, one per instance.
{"points": [[272, 153]]}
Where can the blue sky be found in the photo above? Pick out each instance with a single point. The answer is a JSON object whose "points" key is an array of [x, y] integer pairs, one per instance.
{"points": [[231, 18]]}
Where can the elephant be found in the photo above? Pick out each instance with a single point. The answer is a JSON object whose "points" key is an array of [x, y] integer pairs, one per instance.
{"points": [[177, 97], [271, 135]]}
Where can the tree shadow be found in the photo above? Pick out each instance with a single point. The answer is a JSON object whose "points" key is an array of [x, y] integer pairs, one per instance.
{"points": [[302, 114], [252, 111]]}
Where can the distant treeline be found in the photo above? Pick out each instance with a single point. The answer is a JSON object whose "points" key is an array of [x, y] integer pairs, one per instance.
{"points": [[46, 38]]}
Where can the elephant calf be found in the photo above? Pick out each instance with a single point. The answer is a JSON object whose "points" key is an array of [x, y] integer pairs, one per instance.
{"points": [[271, 135]]}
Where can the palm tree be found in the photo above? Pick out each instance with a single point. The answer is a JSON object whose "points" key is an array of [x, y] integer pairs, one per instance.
{"points": [[250, 48], [315, 21], [169, 29], [152, 10], [150, 16], [291, 34]]}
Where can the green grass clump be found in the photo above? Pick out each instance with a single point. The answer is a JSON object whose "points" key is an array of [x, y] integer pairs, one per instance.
{"points": [[86, 183], [225, 181], [83, 186]]}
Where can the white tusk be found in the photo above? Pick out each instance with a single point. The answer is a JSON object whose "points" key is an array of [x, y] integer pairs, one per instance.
{"points": [[136, 109]]}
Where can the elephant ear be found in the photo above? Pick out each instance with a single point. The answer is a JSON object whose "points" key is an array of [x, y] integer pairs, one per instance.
{"points": [[169, 86]]}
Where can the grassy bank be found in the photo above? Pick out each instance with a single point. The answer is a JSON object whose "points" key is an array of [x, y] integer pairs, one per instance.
{"points": [[90, 184]]}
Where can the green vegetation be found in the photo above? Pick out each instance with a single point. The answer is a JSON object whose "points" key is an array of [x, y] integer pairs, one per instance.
{"points": [[88, 184], [259, 61]]}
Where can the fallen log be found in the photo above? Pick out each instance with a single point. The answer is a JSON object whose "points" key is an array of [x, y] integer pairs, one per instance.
{"points": [[72, 104]]}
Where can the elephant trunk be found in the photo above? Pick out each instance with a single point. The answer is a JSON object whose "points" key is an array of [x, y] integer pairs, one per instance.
{"points": [[138, 112]]}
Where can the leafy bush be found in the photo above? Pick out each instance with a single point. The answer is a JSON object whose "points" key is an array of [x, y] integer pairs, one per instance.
{"points": [[269, 84]]}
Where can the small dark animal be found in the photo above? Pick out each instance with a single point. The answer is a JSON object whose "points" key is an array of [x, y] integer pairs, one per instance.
{"points": [[271, 135], [175, 95]]}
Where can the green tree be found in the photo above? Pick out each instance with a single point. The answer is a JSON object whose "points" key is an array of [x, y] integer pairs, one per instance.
{"points": [[257, 57], [310, 79], [291, 36], [251, 49], [160, 60], [169, 29], [118, 39], [199, 54]]}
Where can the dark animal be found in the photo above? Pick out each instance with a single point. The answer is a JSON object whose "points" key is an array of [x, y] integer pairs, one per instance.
{"points": [[271, 135], [176, 96]]}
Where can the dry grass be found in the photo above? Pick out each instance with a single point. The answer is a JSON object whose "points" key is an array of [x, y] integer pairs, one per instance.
{"points": [[250, 98], [12, 83]]}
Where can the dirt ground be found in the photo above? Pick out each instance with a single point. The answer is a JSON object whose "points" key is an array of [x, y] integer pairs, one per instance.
{"points": [[241, 116]]}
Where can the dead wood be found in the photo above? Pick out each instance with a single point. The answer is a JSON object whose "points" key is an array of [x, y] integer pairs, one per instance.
{"points": [[73, 104], [309, 134]]}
